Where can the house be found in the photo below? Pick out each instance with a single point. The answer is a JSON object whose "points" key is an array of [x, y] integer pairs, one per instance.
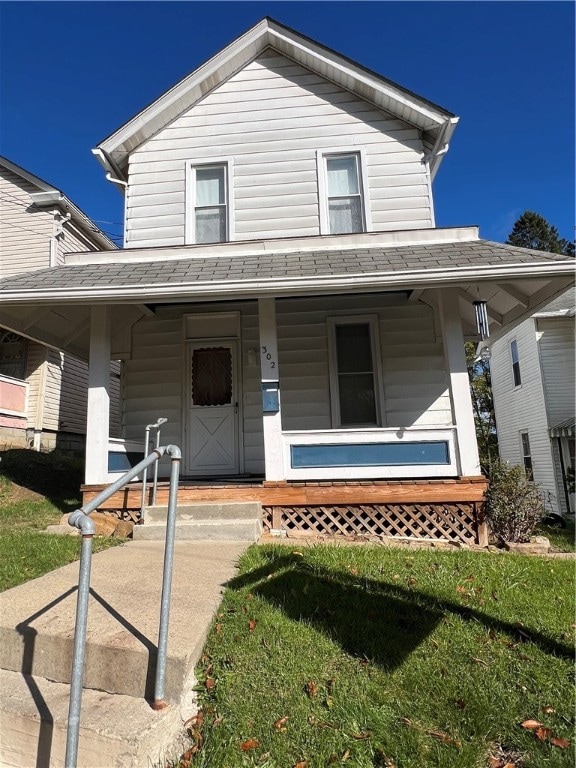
{"points": [[533, 384], [285, 299], [43, 391]]}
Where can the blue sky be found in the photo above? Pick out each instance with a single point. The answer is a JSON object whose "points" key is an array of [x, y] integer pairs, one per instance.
{"points": [[72, 72]]}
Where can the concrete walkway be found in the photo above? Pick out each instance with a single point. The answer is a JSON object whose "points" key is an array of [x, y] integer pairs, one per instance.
{"points": [[36, 635]]}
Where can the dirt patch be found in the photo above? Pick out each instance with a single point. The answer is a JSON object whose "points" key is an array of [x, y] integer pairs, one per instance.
{"points": [[11, 493]]}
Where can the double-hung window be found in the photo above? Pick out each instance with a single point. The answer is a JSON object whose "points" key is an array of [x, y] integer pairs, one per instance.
{"points": [[354, 375], [209, 214], [342, 191], [526, 454], [515, 363]]}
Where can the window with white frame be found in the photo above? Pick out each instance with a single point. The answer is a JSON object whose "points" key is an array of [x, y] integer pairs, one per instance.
{"points": [[12, 355], [354, 372], [342, 190], [209, 190], [526, 454], [515, 363]]}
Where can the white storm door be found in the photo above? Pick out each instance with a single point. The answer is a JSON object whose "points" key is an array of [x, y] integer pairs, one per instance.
{"points": [[212, 443]]}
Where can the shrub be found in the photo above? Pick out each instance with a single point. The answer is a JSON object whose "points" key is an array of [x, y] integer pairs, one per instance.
{"points": [[513, 504]]}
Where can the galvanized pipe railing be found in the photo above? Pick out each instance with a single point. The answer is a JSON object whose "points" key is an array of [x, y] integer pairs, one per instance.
{"points": [[149, 427], [80, 519]]}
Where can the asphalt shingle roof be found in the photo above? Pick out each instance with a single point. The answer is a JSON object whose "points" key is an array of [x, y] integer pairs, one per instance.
{"points": [[262, 266]]}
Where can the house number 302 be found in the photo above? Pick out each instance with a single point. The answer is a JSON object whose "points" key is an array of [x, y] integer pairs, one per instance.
{"points": [[268, 356]]}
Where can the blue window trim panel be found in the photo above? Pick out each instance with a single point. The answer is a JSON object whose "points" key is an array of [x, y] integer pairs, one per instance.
{"points": [[370, 454], [122, 462]]}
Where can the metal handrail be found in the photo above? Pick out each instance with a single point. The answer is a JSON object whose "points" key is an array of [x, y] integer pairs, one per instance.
{"points": [[156, 426], [81, 519]]}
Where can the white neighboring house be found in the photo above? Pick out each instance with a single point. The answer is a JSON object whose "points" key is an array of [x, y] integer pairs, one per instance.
{"points": [[285, 299], [534, 388], [43, 392]]}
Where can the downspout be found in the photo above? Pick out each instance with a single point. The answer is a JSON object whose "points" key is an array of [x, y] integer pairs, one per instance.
{"points": [[57, 232], [113, 176]]}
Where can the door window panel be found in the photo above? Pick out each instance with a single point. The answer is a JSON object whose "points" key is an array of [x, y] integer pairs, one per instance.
{"points": [[212, 376]]}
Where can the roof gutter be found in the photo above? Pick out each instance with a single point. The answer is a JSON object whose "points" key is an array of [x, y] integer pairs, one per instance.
{"points": [[113, 173]]}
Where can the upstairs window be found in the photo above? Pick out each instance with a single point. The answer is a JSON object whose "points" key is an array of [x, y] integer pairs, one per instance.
{"points": [[342, 192], [209, 216], [515, 363]]}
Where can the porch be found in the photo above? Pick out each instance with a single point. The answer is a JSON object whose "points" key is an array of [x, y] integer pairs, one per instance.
{"points": [[448, 510]]}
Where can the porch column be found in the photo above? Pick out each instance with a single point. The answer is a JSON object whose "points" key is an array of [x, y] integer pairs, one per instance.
{"points": [[270, 377], [461, 400], [98, 415]]}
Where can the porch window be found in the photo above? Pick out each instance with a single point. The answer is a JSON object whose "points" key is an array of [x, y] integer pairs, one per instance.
{"points": [[354, 379], [209, 217], [515, 363], [526, 454], [12, 355], [342, 193]]}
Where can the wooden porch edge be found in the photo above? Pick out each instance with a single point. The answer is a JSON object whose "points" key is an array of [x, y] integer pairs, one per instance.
{"points": [[310, 493]]}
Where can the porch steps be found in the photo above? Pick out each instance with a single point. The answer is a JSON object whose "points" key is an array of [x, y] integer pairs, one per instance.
{"points": [[118, 728], [208, 521]]}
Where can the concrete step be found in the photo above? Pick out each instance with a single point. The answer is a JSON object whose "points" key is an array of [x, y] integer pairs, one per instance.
{"points": [[202, 530], [207, 510], [115, 731], [37, 618]]}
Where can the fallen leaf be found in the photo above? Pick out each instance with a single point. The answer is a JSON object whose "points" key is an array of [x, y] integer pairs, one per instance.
{"points": [[311, 689], [411, 581], [217, 721], [280, 724], [479, 661], [301, 764], [196, 720], [444, 738], [345, 755], [252, 625], [249, 744], [361, 736], [460, 703], [543, 734], [548, 710], [495, 763], [531, 725], [210, 683], [329, 702], [218, 628], [406, 721], [462, 590], [560, 742]]}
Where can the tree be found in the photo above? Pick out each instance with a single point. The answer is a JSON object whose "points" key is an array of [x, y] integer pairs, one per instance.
{"points": [[533, 231], [483, 405]]}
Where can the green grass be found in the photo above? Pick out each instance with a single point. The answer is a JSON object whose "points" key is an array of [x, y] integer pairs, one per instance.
{"points": [[561, 539], [25, 551], [382, 657]]}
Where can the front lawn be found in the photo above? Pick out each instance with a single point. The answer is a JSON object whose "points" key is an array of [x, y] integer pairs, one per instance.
{"points": [[365, 656], [35, 490]]}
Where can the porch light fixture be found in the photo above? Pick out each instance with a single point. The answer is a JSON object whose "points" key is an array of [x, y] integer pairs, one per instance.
{"points": [[485, 354], [481, 319]]}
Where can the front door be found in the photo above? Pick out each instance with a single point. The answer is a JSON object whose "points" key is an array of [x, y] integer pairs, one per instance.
{"points": [[212, 422]]}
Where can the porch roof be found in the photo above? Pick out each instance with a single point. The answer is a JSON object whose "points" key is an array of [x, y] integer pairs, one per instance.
{"points": [[52, 306], [222, 274]]}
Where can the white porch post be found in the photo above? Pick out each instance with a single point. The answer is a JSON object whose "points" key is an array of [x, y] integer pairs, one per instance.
{"points": [[272, 420], [98, 416], [462, 410]]}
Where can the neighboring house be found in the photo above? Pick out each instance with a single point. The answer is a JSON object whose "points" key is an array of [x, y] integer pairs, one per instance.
{"points": [[285, 299], [534, 390], [43, 392]]}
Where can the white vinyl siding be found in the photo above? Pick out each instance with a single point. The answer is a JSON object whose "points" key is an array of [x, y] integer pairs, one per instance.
{"points": [[24, 232], [522, 409], [414, 379], [557, 356], [272, 117]]}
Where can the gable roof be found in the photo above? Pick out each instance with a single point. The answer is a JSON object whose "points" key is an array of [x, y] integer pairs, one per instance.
{"points": [[435, 123], [49, 196]]}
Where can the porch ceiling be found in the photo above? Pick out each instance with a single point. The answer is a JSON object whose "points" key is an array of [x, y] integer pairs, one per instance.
{"points": [[53, 306]]}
